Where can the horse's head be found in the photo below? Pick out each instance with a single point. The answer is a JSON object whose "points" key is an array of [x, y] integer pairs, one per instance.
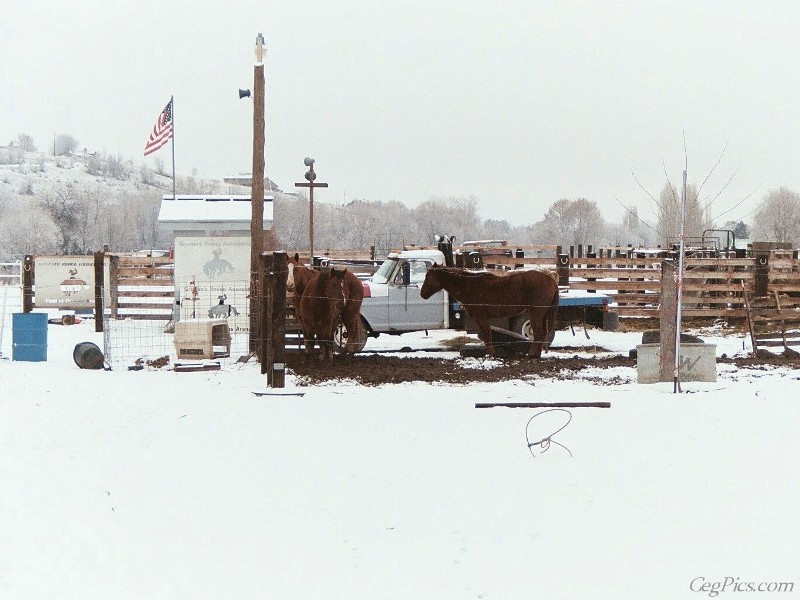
{"points": [[330, 286], [290, 277], [298, 275], [433, 282]]}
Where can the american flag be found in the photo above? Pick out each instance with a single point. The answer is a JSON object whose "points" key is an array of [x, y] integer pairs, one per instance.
{"points": [[162, 130]]}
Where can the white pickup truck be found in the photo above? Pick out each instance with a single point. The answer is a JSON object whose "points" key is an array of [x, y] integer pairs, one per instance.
{"points": [[392, 304]]}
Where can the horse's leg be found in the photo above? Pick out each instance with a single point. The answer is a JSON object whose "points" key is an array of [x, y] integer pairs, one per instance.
{"points": [[329, 340], [536, 318], [308, 339], [351, 324], [485, 333]]}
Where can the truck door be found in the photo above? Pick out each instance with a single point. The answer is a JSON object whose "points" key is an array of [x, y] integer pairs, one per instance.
{"points": [[407, 310]]}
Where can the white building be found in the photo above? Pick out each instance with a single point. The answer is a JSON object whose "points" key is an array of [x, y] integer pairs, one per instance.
{"points": [[200, 215]]}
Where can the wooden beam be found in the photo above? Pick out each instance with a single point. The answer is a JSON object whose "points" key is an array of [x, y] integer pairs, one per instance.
{"points": [[543, 405]]}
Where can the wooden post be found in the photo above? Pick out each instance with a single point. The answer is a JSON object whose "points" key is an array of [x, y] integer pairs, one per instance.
{"points": [[113, 284], [280, 272], [562, 267], [257, 194], [265, 315], [99, 260], [27, 283], [591, 254], [668, 326], [762, 275]]}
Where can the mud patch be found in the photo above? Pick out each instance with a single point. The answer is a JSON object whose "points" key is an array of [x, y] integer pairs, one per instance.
{"points": [[375, 369]]}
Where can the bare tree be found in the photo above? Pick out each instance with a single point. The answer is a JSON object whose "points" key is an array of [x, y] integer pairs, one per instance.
{"points": [[577, 221], [64, 144], [118, 167], [26, 143], [27, 229], [147, 175], [159, 165], [61, 204], [696, 221], [778, 217]]}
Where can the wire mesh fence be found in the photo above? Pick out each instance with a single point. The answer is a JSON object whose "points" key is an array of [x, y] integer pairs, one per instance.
{"points": [[10, 302], [209, 322]]}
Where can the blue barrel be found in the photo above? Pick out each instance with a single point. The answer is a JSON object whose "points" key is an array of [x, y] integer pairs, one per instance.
{"points": [[29, 336]]}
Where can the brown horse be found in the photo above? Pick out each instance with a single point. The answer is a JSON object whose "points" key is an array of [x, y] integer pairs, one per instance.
{"points": [[485, 295], [319, 311], [297, 281]]}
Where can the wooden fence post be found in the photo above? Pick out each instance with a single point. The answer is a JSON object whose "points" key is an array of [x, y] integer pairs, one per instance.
{"points": [[762, 275], [669, 315], [280, 271], [113, 284], [264, 322], [562, 267], [99, 260], [27, 283]]}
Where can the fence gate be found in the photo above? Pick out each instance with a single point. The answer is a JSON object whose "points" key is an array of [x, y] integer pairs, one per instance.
{"points": [[10, 301]]}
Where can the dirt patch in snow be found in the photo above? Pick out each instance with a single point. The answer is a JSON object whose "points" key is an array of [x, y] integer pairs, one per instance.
{"points": [[378, 369]]}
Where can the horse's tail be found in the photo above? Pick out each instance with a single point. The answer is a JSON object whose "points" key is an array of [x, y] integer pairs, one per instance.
{"points": [[550, 318]]}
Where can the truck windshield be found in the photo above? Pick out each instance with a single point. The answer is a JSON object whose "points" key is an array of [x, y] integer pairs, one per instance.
{"points": [[384, 273]]}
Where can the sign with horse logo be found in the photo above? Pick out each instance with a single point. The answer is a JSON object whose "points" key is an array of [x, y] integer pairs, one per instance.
{"points": [[65, 282], [212, 278]]}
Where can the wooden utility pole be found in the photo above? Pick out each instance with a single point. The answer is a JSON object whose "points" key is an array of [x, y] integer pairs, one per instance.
{"points": [[310, 184], [257, 197]]}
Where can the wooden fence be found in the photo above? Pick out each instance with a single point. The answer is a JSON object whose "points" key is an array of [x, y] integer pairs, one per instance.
{"points": [[713, 287], [141, 287]]}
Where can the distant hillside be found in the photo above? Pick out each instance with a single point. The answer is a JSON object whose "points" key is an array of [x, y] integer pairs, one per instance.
{"points": [[78, 203]]}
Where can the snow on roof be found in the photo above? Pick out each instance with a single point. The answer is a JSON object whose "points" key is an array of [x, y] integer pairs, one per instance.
{"points": [[187, 208]]}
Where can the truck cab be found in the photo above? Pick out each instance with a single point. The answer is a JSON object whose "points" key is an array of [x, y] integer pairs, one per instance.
{"points": [[392, 303]]}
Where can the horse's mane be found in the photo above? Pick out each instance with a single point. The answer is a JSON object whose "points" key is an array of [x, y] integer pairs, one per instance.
{"points": [[322, 282]]}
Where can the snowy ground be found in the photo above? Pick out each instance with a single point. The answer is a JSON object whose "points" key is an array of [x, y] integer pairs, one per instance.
{"points": [[156, 484]]}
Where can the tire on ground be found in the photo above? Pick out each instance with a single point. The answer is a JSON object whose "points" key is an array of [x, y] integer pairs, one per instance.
{"points": [[340, 337], [522, 326]]}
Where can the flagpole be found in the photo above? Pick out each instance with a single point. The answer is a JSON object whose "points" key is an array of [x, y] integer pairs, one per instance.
{"points": [[172, 103]]}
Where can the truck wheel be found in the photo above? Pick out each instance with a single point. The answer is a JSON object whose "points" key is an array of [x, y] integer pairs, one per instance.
{"points": [[340, 338], [522, 326]]}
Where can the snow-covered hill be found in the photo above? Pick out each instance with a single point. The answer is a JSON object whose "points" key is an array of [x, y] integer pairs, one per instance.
{"points": [[78, 203]]}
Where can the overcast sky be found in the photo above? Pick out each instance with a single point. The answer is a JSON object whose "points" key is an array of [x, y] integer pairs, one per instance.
{"points": [[516, 103]]}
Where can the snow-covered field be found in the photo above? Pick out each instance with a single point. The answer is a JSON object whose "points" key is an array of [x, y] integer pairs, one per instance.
{"points": [[161, 485]]}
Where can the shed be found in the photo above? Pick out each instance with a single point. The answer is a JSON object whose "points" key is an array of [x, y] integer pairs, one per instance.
{"points": [[199, 215]]}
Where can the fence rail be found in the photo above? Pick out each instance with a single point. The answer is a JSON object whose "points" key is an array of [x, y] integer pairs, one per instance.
{"points": [[713, 287]]}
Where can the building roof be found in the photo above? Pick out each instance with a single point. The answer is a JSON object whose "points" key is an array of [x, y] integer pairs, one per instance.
{"points": [[207, 208], [247, 179]]}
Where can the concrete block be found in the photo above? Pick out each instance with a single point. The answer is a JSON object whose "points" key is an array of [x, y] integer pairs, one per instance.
{"points": [[698, 362]]}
